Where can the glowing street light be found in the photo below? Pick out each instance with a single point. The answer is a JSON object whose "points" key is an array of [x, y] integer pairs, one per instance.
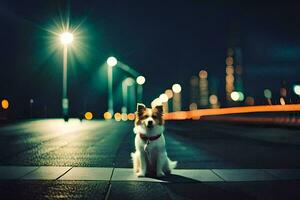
{"points": [[5, 104], [176, 97], [111, 62], [66, 39], [176, 88], [140, 80], [297, 89]]}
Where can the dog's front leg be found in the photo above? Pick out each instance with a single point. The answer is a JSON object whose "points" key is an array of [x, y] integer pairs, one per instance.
{"points": [[161, 159], [143, 167]]}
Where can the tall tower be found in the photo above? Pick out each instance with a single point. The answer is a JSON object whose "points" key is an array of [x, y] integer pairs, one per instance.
{"points": [[203, 89], [194, 92]]}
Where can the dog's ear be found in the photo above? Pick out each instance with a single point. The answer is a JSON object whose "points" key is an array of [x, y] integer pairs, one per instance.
{"points": [[159, 109], [140, 108]]}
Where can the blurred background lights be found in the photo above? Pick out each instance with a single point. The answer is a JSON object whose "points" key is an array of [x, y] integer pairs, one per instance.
{"points": [[241, 96], [140, 80], [169, 93], [234, 96], [297, 89], [203, 74], [107, 115], [268, 93], [156, 102], [4, 104], [124, 117], [213, 99], [282, 101], [66, 38], [118, 116], [112, 61], [176, 88], [193, 106], [131, 116], [164, 98], [88, 115]]}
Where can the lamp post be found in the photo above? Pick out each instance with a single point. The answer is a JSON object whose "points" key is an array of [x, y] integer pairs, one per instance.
{"points": [[111, 62], [177, 97], [140, 80], [125, 84], [66, 38]]}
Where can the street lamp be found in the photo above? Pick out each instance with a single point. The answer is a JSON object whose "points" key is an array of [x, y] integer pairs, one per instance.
{"points": [[111, 62], [125, 84], [177, 97], [66, 38], [140, 80]]}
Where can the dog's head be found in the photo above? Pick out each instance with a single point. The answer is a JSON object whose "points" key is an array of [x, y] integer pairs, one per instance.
{"points": [[149, 118]]}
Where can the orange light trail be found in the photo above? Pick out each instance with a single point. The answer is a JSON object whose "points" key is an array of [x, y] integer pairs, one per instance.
{"points": [[194, 114]]}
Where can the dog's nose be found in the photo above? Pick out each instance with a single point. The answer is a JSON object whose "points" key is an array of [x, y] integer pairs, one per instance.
{"points": [[150, 123]]}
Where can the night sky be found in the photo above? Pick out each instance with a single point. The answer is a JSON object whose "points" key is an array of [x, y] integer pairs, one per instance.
{"points": [[166, 42]]}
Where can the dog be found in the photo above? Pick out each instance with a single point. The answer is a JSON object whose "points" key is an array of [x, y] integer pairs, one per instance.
{"points": [[150, 157]]}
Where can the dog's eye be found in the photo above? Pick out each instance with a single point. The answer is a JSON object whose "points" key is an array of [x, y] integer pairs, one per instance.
{"points": [[145, 116], [154, 117]]}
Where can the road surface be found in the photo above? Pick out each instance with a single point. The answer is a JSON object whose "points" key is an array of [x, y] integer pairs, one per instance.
{"points": [[52, 159]]}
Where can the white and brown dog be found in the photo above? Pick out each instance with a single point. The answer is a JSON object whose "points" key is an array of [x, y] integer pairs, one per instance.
{"points": [[150, 157]]}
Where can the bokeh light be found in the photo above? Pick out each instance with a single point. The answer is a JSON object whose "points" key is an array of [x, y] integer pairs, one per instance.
{"points": [[164, 98], [282, 101], [249, 101], [107, 115], [213, 99], [169, 93], [118, 116], [112, 61], [124, 117], [193, 106], [268, 93], [131, 116], [203, 74], [297, 89], [140, 80], [88, 115], [5, 104], [176, 88], [234, 96]]}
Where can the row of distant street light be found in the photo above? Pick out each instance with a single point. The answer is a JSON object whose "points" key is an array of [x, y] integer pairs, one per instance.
{"points": [[66, 39]]}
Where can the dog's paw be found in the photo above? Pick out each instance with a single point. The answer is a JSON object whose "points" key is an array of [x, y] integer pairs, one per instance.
{"points": [[160, 174], [140, 174]]}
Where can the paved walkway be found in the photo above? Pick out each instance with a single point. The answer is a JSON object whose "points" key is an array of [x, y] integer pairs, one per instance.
{"points": [[126, 174]]}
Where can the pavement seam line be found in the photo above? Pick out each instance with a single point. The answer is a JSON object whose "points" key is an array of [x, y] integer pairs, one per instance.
{"points": [[63, 174], [217, 175], [28, 173]]}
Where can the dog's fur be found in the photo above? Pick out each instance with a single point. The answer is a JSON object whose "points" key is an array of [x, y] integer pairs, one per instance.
{"points": [[150, 158]]}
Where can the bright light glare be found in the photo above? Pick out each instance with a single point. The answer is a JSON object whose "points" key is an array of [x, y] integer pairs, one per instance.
{"points": [[297, 89], [66, 38], [112, 61], [140, 80], [5, 104], [164, 98], [88, 115], [235, 96], [176, 88]]}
